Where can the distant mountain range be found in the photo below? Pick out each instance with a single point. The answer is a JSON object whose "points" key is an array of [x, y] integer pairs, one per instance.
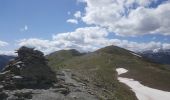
{"points": [[4, 59], [160, 56]]}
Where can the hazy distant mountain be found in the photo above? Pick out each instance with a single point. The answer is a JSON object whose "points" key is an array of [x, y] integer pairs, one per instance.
{"points": [[4, 59], [160, 56]]}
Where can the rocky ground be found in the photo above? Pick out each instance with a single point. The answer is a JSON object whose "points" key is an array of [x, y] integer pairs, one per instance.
{"points": [[28, 76], [66, 88]]}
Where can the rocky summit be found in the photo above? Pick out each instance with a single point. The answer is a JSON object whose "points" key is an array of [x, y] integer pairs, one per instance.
{"points": [[28, 70]]}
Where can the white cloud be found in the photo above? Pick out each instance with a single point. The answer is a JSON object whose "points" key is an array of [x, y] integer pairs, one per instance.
{"points": [[80, 1], [25, 28], [166, 46], [2, 52], [82, 33], [124, 18], [40, 44], [73, 21], [135, 46], [77, 14], [82, 39], [87, 39], [2, 43]]}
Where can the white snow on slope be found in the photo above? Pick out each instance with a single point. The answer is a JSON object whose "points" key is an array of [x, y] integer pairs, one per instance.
{"points": [[121, 70], [143, 92], [135, 54]]}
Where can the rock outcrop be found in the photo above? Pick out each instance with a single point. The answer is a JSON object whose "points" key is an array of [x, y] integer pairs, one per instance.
{"points": [[28, 70]]}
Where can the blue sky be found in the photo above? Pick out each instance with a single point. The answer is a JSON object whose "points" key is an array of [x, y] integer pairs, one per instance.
{"points": [[44, 19]]}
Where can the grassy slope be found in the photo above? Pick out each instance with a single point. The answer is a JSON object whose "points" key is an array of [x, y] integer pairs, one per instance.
{"points": [[57, 58], [150, 74], [97, 69]]}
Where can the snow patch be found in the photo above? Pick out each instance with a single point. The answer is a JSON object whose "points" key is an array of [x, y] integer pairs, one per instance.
{"points": [[143, 92], [135, 54], [121, 70]]}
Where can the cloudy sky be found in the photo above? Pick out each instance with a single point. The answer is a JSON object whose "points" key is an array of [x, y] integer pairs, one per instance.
{"points": [[85, 25]]}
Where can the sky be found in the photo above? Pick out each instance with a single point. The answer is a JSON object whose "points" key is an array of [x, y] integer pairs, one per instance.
{"points": [[85, 25]]}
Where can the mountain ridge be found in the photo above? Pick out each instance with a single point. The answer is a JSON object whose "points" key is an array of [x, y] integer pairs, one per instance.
{"points": [[98, 69]]}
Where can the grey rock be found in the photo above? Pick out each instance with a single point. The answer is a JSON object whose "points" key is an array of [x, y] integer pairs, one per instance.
{"points": [[48, 96], [3, 96], [28, 70], [64, 91], [81, 96], [23, 95]]}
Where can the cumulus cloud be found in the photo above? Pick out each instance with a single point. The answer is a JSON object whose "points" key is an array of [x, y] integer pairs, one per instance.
{"points": [[87, 39], [77, 14], [82, 34], [73, 21], [82, 39], [128, 17], [2, 52], [40, 44], [2, 43], [137, 47], [166, 46]]}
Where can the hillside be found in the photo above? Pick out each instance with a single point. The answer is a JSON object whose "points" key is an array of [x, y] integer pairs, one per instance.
{"points": [[97, 69], [59, 57]]}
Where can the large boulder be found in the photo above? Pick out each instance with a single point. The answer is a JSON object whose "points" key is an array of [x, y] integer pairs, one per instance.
{"points": [[29, 69]]}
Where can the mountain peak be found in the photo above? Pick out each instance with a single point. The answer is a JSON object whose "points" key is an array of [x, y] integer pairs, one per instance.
{"points": [[114, 50]]}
